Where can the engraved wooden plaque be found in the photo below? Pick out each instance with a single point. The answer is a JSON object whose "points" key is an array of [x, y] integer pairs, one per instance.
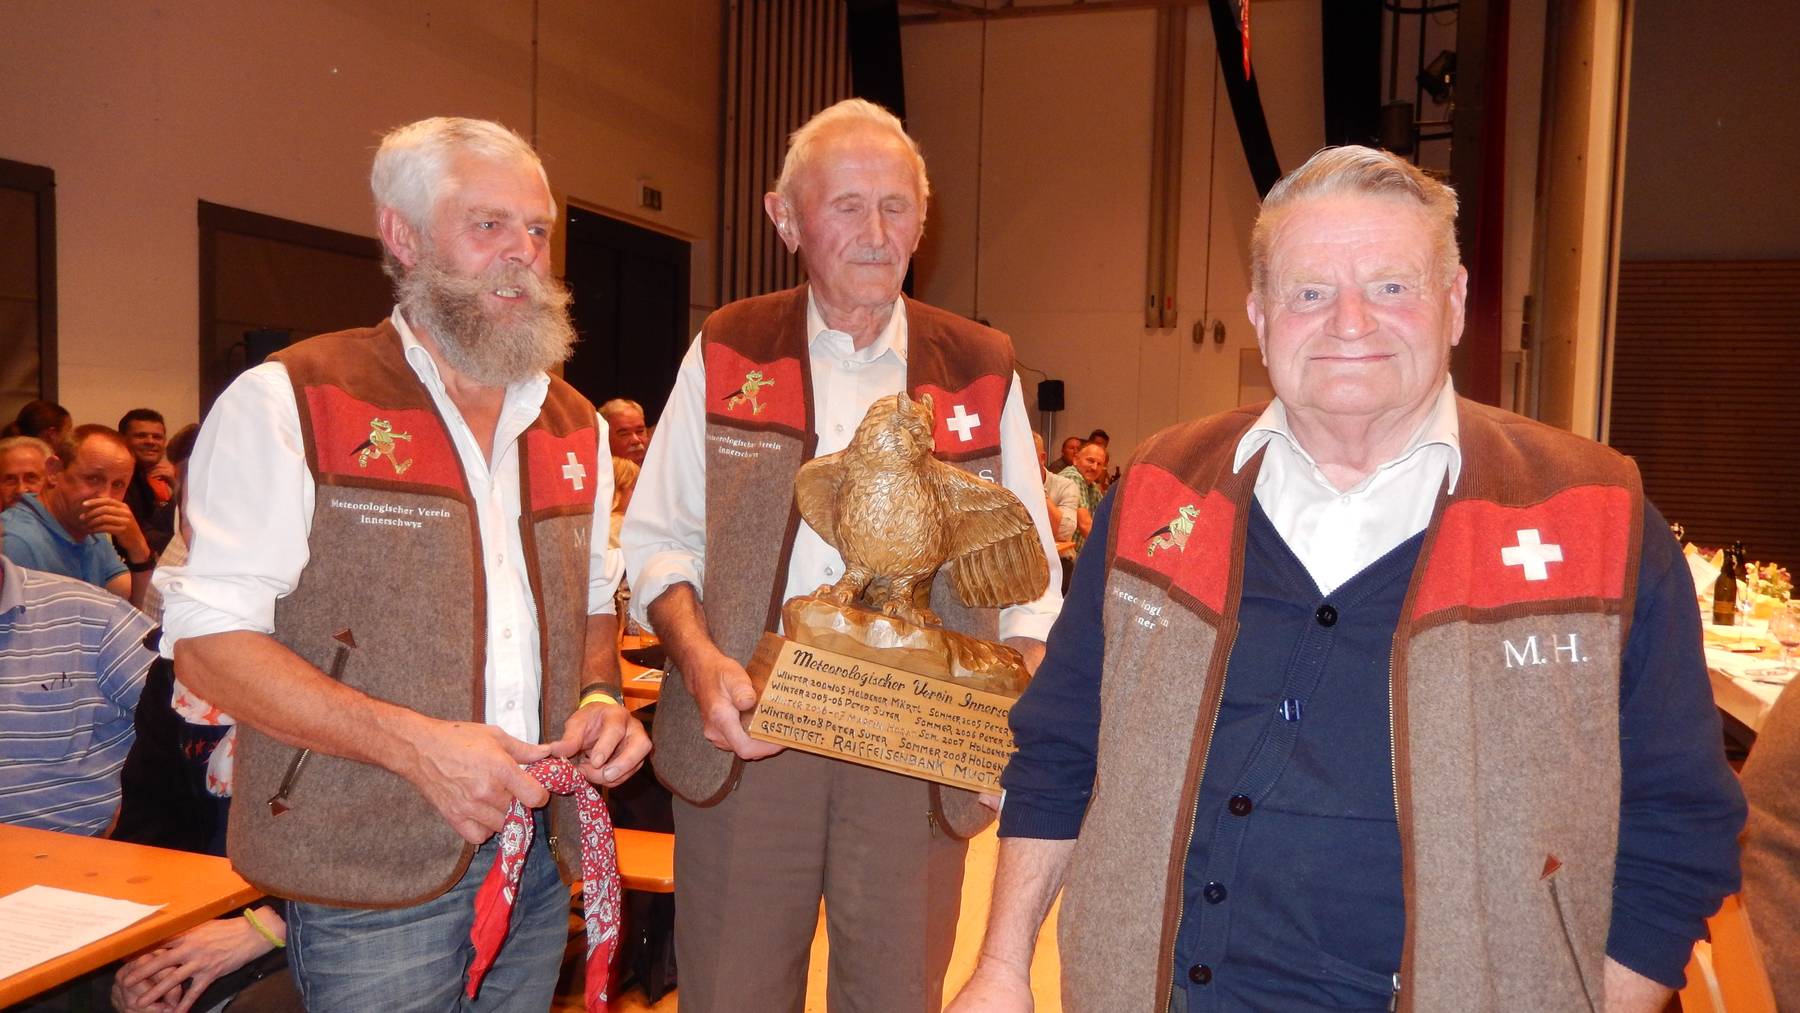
{"points": [[863, 711]]}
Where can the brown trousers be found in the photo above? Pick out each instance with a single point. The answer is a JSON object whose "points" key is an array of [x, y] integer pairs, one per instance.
{"points": [[750, 872]]}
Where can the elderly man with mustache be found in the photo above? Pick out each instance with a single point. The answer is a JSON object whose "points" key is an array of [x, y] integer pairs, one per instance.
{"points": [[399, 585], [712, 543]]}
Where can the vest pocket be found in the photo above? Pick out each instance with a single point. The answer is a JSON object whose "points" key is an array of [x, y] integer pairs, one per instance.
{"points": [[283, 799], [1565, 921]]}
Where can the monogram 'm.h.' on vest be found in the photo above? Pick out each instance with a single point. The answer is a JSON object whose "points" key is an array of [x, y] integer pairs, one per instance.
{"points": [[393, 602], [759, 431], [1504, 715]]}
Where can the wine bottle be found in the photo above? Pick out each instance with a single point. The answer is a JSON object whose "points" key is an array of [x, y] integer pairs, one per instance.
{"points": [[1724, 612]]}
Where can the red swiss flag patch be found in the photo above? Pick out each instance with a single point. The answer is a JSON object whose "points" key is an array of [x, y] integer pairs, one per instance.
{"points": [[563, 468], [1570, 546], [968, 420], [1165, 526], [759, 393], [360, 440]]}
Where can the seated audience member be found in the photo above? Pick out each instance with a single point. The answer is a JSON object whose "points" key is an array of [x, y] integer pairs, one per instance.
{"points": [[175, 796], [46, 420], [74, 666], [625, 476], [1070, 445], [152, 476], [625, 429], [1062, 498], [228, 952], [1772, 846], [65, 529], [1106, 477], [1088, 472], [169, 518], [177, 785], [23, 462]]}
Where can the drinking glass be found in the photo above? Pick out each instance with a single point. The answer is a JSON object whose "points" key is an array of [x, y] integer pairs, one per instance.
{"points": [[1784, 626]]}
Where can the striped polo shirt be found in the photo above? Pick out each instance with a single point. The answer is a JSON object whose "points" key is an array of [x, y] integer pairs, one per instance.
{"points": [[72, 662]]}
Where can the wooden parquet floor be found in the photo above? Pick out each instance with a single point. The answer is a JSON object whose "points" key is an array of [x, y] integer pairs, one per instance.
{"points": [[977, 884]]}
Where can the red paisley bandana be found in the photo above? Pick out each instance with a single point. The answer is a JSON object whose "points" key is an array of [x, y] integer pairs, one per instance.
{"points": [[600, 890]]}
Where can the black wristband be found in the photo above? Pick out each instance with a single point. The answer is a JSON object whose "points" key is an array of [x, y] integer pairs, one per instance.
{"points": [[149, 563]]}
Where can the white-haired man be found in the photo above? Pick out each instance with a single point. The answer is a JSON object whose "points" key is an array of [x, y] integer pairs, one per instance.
{"points": [[24, 461], [762, 834], [1377, 698], [626, 433], [400, 565]]}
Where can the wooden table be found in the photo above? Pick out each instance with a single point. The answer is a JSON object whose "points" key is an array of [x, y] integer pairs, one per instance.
{"points": [[1734, 675], [637, 693], [1734, 689], [191, 888]]}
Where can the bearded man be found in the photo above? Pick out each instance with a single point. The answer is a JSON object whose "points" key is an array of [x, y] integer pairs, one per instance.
{"points": [[399, 564]]}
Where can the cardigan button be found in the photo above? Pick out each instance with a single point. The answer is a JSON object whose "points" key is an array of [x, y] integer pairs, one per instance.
{"points": [[1214, 893], [1239, 805], [1327, 616], [1199, 974]]}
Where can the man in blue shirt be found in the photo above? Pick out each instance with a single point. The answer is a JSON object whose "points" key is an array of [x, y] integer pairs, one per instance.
{"points": [[70, 527], [74, 664]]}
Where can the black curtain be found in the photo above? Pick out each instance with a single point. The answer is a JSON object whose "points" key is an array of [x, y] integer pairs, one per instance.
{"points": [[1351, 30]]}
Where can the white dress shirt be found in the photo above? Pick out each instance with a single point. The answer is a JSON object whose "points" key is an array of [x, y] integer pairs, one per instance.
{"points": [[1067, 497], [664, 535], [250, 502], [1338, 534]]}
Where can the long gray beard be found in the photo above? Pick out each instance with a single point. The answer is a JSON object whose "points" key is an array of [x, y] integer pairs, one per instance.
{"points": [[492, 348]]}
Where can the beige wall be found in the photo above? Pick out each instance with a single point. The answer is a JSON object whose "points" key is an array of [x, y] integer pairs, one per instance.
{"points": [[144, 109], [1057, 155]]}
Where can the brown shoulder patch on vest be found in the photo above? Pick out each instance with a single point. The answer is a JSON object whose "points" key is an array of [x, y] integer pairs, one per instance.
{"points": [[761, 328], [953, 349]]}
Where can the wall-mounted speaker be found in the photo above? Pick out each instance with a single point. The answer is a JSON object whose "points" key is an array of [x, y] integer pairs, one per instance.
{"points": [[1050, 395]]}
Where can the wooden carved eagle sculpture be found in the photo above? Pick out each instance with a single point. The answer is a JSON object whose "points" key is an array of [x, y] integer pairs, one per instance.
{"points": [[897, 514]]}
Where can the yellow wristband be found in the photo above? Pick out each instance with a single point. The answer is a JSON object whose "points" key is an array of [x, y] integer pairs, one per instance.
{"points": [[250, 916], [597, 695]]}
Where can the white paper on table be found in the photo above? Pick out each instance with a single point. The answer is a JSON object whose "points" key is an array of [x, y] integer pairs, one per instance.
{"points": [[42, 923]]}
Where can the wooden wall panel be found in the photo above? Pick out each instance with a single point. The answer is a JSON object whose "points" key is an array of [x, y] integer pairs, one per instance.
{"points": [[1705, 375]]}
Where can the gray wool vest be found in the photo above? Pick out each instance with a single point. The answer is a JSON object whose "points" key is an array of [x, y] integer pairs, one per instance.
{"points": [[1504, 709], [392, 601], [759, 431]]}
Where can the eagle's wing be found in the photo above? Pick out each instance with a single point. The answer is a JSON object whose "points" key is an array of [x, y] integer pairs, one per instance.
{"points": [[993, 544], [816, 493]]}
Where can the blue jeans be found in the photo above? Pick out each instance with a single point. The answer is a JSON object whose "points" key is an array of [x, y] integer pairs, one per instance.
{"points": [[350, 960]]}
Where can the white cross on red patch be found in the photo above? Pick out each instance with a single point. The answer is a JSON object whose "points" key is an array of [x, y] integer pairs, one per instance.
{"points": [[574, 472], [1531, 554], [963, 423]]}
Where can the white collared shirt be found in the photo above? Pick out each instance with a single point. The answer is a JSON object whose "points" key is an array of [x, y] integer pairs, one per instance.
{"points": [[664, 535], [250, 502], [1338, 534]]}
